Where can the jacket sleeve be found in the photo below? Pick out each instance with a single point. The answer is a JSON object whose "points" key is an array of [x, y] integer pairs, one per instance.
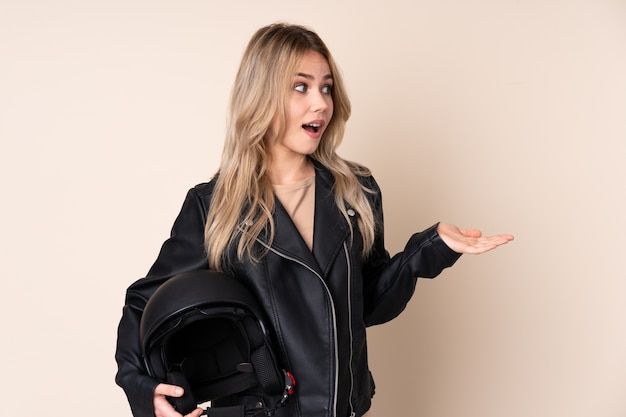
{"points": [[183, 251], [389, 282]]}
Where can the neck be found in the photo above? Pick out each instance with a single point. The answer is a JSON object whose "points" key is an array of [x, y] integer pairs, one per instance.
{"points": [[290, 171]]}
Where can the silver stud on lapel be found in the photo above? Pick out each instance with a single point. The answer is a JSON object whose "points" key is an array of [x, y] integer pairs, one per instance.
{"points": [[351, 212]]}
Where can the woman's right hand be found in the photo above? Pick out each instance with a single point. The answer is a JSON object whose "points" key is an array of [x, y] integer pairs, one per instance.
{"points": [[163, 408]]}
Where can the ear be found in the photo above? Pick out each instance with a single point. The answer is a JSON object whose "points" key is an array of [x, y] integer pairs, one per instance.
{"points": [[187, 403]]}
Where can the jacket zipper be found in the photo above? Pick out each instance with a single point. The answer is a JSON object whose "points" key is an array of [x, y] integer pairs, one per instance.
{"points": [[334, 317], [349, 267]]}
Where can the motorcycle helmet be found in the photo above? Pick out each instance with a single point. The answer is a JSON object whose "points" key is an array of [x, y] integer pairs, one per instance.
{"points": [[203, 330]]}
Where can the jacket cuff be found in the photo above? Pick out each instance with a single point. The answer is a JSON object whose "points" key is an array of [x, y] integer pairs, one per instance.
{"points": [[140, 396], [436, 255], [440, 246]]}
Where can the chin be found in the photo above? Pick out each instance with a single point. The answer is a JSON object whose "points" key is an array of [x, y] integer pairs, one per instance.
{"points": [[310, 151]]}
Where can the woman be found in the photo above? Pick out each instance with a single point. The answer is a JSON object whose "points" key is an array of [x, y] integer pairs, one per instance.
{"points": [[302, 227]]}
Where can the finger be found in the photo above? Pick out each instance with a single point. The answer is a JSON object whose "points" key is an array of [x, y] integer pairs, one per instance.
{"points": [[195, 413], [499, 239], [486, 244], [169, 390], [506, 237], [163, 408]]}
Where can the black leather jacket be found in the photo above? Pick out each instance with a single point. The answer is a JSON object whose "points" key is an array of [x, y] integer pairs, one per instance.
{"points": [[318, 304]]}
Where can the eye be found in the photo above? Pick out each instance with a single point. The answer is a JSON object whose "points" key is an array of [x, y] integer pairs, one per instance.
{"points": [[302, 88], [327, 89]]}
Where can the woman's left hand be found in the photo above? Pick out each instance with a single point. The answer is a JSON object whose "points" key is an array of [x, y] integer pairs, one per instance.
{"points": [[470, 241]]}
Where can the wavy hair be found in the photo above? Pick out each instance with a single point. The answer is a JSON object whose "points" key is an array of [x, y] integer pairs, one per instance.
{"points": [[243, 199]]}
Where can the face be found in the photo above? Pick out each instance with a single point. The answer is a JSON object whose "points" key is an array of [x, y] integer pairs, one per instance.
{"points": [[309, 110]]}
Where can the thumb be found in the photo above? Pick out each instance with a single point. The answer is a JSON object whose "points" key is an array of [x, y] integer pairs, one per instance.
{"points": [[169, 390], [472, 233]]}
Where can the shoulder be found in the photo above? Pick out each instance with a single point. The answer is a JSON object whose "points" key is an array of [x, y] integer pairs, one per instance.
{"points": [[198, 198], [364, 176], [204, 190], [362, 173]]}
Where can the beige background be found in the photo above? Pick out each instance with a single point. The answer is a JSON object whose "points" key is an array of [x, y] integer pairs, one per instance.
{"points": [[503, 115]]}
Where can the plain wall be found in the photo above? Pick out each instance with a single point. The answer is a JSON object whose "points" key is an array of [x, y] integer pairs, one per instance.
{"points": [[508, 116]]}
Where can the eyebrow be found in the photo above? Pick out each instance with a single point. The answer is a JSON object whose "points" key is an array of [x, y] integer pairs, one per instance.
{"points": [[310, 77]]}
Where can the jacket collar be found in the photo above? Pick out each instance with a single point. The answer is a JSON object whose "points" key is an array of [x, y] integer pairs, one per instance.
{"points": [[330, 229]]}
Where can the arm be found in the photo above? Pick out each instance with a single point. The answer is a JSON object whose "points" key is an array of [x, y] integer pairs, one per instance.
{"points": [[390, 282], [183, 251]]}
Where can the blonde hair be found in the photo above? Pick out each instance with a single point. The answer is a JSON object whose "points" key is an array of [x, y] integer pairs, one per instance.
{"points": [[243, 200]]}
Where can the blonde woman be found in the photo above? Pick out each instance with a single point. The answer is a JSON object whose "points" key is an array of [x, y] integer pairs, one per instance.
{"points": [[302, 227]]}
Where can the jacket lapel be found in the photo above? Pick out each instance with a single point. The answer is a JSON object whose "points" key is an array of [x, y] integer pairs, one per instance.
{"points": [[287, 238], [329, 229]]}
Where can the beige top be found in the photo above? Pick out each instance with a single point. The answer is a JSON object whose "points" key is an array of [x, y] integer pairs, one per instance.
{"points": [[299, 201]]}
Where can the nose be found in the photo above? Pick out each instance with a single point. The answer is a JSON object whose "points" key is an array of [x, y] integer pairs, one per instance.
{"points": [[319, 102]]}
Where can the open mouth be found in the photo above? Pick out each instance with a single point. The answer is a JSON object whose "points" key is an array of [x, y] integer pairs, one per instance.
{"points": [[312, 127]]}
